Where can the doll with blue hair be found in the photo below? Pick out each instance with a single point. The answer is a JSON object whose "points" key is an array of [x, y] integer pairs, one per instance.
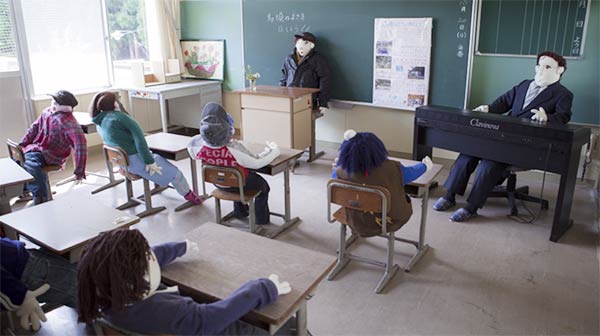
{"points": [[364, 159]]}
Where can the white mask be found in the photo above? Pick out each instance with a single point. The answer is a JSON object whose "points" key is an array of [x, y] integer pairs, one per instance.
{"points": [[152, 275], [303, 47], [547, 71]]}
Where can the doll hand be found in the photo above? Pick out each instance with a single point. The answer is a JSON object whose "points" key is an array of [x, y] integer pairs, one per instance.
{"points": [[282, 287], [153, 168], [539, 115], [428, 163], [271, 144], [482, 108], [30, 311], [78, 180], [191, 246]]}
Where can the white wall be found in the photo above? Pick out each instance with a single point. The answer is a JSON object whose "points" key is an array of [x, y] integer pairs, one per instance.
{"points": [[13, 123]]}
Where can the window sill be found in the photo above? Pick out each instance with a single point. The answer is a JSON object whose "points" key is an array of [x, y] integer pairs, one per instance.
{"points": [[90, 91]]}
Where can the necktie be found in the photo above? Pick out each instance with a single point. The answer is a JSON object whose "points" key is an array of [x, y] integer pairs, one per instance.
{"points": [[531, 94]]}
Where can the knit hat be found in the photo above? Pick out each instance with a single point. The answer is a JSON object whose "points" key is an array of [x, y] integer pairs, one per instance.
{"points": [[215, 128]]}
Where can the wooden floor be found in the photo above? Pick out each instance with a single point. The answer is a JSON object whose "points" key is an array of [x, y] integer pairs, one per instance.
{"points": [[491, 275]]}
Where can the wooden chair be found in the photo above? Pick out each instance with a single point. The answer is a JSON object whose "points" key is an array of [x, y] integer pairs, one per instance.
{"points": [[361, 197], [117, 156], [16, 153], [229, 177], [512, 193]]}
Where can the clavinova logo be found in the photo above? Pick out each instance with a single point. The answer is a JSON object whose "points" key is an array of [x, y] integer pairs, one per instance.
{"points": [[476, 123]]}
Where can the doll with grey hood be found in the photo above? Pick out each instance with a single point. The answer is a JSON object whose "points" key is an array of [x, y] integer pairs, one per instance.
{"points": [[215, 146]]}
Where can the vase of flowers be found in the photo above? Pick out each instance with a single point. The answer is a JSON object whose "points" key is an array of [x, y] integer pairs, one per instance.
{"points": [[252, 77]]}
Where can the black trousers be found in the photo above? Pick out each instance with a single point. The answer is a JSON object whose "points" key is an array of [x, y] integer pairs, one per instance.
{"points": [[261, 204], [489, 174]]}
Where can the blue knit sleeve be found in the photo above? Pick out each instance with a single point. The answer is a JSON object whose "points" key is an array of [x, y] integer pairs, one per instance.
{"points": [[167, 252], [411, 173]]}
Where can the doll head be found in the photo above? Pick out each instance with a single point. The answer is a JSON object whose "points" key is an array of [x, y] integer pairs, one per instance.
{"points": [[305, 42], [103, 101], [549, 68], [216, 126], [64, 98], [361, 152], [116, 268]]}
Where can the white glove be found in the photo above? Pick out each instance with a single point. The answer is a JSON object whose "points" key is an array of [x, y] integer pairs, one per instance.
{"points": [[282, 287], [482, 108], [539, 115], [271, 144], [78, 180], [30, 311], [191, 246], [153, 168], [428, 163]]}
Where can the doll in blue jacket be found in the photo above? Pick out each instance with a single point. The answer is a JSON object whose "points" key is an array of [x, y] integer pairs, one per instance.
{"points": [[119, 278]]}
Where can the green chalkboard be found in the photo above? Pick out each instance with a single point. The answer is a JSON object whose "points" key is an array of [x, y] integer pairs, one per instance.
{"points": [[344, 31], [217, 20], [528, 27]]}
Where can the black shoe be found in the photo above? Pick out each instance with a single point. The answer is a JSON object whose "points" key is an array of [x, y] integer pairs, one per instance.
{"points": [[241, 213]]}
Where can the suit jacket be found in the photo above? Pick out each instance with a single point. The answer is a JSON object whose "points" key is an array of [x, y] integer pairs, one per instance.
{"points": [[555, 99]]}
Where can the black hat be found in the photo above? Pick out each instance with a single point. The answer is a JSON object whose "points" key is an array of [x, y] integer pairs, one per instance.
{"points": [[306, 36], [64, 97]]}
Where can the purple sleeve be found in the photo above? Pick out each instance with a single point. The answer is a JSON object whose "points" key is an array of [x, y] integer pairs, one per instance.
{"points": [[14, 257], [253, 294], [167, 252], [411, 173]]}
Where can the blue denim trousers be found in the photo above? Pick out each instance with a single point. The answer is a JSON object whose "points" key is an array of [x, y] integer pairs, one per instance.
{"points": [[34, 163], [45, 267]]}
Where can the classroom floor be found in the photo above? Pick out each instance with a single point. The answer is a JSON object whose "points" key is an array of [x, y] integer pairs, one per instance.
{"points": [[491, 275]]}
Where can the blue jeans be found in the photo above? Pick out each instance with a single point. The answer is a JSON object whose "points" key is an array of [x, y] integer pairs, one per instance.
{"points": [[261, 204], [45, 267], [34, 163]]}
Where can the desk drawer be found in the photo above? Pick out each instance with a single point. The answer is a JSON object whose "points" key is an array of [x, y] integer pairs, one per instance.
{"points": [[252, 101]]}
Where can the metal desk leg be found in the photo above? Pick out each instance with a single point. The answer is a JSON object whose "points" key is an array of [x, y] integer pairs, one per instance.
{"points": [[422, 248], [302, 320], [312, 155], [287, 217], [163, 113], [111, 176]]}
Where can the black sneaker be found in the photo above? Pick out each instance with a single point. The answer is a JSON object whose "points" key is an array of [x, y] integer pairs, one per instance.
{"points": [[443, 204]]}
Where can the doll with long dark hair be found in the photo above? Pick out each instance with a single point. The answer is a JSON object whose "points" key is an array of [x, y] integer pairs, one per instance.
{"points": [[364, 159], [119, 280], [118, 128]]}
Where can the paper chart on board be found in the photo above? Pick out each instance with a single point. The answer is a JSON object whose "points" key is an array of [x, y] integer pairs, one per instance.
{"points": [[401, 62]]}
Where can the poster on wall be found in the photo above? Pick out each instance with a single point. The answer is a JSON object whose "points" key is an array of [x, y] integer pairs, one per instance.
{"points": [[401, 62], [203, 59]]}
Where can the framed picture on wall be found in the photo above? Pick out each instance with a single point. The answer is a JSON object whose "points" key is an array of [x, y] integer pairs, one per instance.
{"points": [[203, 58]]}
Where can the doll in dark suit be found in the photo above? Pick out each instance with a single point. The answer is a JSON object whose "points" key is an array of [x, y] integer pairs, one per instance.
{"points": [[542, 99]]}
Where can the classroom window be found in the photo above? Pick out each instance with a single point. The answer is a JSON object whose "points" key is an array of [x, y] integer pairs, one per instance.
{"points": [[66, 45], [8, 49], [127, 30]]}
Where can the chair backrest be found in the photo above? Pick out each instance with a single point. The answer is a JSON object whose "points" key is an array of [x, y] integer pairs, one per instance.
{"points": [[357, 196], [224, 176], [15, 151], [116, 156]]}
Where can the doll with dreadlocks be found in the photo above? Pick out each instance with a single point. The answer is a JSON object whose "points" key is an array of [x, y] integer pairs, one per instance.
{"points": [[364, 159], [119, 279]]}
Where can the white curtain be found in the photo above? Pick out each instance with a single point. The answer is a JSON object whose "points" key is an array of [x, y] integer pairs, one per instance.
{"points": [[166, 13]]}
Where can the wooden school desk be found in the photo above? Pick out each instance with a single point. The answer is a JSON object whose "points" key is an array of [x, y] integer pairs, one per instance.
{"points": [[12, 179], [420, 188], [174, 147], [88, 127], [66, 224], [280, 114], [228, 258], [283, 163]]}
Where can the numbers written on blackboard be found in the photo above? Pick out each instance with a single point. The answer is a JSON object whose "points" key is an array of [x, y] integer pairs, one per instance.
{"points": [[288, 22]]}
